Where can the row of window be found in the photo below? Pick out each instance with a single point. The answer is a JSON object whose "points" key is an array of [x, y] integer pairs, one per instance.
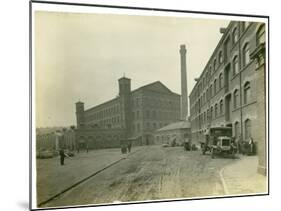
{"points": [[246, 94], [218, 83], [260, 38], [153, 114], [108, 123], [105, 112], [217, 109], [247, 129], [137, 102]]}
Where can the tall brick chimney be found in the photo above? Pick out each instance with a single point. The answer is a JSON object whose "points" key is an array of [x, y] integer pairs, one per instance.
{"points": [[184, 99]]}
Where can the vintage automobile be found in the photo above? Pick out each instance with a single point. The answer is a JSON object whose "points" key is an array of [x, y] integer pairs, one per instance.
{"points": [[217, 141], [223, 146]]}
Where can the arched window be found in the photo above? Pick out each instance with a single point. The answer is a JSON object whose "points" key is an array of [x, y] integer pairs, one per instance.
{"points": [[235, 98], [221, 107], [220, 57], [237, 129], [246, 54], [215, 86], [216, 110], [248, 129], [215, 65], [220, 81], [247, 92], [261, 35], [235, 35], [235, 65], [210, 89]]}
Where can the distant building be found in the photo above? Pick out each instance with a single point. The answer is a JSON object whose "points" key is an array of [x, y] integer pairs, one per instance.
{"points": [[55, 138], [178, 132], [230, 90], [132, 115]]}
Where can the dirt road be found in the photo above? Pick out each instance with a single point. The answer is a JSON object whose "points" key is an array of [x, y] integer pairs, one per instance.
{"points": [[150, 174]]}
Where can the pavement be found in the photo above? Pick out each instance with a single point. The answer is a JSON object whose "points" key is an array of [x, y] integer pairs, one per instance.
{"points": [[52, 178], [241, 177]]}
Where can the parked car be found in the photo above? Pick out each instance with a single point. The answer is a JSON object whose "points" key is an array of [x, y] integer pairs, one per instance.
{"points": [[223, 146], [217, 141]]}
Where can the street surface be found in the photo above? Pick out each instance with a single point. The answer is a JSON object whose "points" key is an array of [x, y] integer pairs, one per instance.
{"points": [[152, 173], [52, 178]]}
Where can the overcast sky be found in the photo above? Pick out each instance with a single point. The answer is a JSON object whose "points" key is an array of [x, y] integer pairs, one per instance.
{"points": [[82, 56]]}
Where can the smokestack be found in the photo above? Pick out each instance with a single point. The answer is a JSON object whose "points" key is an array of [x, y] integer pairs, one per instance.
{"points": [[184, 102]]}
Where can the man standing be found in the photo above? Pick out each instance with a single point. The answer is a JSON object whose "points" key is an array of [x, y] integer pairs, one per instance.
{"points": [[62, 156], [129, 146]]}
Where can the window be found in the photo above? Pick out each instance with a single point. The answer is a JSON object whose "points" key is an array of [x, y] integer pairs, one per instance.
{"points": [[215, 86], [261, 35], [220, 81], [246, 54], [248, 129], [210, 89], [138, 114], [247, 92], [235, 65], [220, 57], [211, 113], [216, 110], [235, 35], [235, 98], [215, 65], [237, 129], [221, 107]]}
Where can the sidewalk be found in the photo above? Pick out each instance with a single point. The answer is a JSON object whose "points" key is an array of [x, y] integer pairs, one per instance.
{"points": [[241, 177], [52, 178]]}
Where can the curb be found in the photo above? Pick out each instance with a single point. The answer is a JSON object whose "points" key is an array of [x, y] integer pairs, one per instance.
{"points": [[84, 179], [224, 185]]}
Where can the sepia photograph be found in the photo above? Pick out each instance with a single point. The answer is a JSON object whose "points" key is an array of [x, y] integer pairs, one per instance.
{"points": [[141, 105]]}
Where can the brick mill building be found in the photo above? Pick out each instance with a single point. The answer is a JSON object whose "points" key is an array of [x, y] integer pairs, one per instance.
{"points": [[132, 115], [231, 89]]}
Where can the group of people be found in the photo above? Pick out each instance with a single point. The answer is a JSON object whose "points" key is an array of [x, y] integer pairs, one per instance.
{"points": [[245, 147], [126, 147]]}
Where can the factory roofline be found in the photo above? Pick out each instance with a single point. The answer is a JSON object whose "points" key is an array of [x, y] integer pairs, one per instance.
{"points": [[140, 88]]}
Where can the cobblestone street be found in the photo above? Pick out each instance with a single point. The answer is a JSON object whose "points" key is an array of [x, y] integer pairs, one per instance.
{"points": [[151, 173]]}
